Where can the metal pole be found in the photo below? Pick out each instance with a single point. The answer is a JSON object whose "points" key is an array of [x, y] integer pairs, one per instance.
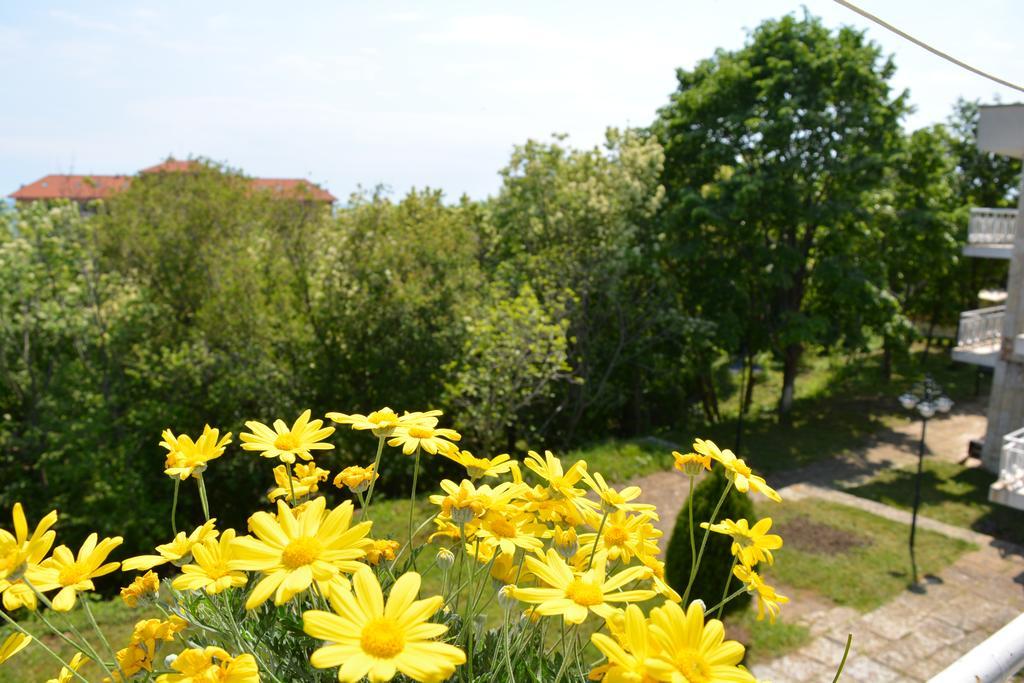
{"points": [[917, 498]]}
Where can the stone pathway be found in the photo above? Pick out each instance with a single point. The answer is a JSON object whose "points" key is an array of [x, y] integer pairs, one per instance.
{"points": [[915, 635]]}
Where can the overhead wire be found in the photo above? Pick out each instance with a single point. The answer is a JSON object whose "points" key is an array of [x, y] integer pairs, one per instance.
{"points": [[920, 43]]}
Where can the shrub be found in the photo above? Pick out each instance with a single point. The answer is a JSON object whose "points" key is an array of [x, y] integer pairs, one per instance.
{"points": [[714, 566]]}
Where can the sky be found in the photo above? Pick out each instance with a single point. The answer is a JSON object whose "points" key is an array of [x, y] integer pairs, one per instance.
{"points": [[405, 94]]}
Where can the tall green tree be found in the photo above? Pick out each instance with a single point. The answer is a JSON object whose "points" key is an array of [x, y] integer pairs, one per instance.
{"points": [[582, 221], [771, 151]]}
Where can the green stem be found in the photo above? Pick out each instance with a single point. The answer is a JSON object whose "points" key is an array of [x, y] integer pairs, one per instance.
{"points": [[846, 652], [704, 542], [103, 638], [291, 487], [597, 539], [369, 492], [174, 508], [202, 496], [412, 504], [728, 580], [41, 644], [88, 649], [735, 594], [693, 544], [508, 656]]}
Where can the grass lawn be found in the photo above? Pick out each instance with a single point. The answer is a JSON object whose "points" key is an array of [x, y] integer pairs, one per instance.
{"points": [[949, 493], [849, 556], [840, 402]]}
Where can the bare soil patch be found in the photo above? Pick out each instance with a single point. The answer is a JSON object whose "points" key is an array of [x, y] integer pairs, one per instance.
{"points": [[805, 534]]}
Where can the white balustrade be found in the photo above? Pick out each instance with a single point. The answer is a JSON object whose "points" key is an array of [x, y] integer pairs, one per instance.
{"points": [[980, 326], [992, 226]]}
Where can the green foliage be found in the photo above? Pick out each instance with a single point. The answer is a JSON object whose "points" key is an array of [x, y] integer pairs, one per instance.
{"points": [[514, 352], [715, 566], [583, 222], [770, 151]]}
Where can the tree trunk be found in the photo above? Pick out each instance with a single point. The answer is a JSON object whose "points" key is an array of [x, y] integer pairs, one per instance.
{"points": [[790, 365], [748, 395], [887, 359]]}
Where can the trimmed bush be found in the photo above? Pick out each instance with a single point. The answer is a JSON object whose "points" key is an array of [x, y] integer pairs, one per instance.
{"points": [[714, 566]]}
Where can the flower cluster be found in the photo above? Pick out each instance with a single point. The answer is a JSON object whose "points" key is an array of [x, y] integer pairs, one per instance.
{"points": [[308, 587]]}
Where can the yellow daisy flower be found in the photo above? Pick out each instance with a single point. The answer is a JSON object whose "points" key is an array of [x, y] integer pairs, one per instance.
{"points": [[178, 551], [751, 544], [629, 653], [691, 464], [371, 638], [693, 649], [549, 468], [508, 533], [574, 594], [15, 643], [736, 470], [19, 553], [18, 549], [211, 664], [382, 549], [186, 458], [426, 437], [296, 548], [612, 500], [768, 601], [305, 480], [356, 478], [211, 571], [66, 675], [142, 587], [478, 468], [72, 574], [623, 537], [381, 422], [284, 443]]}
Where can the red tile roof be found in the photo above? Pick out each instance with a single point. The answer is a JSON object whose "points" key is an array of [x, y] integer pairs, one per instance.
{"points": [[171, 165], [293, 187], [76, 187], [86, 188]]}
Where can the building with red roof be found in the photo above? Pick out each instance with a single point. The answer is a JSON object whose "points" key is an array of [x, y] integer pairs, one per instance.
{"points": [[86, 188]]}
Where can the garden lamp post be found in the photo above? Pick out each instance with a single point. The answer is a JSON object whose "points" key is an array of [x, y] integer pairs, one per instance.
{"points": [[927, 398]]}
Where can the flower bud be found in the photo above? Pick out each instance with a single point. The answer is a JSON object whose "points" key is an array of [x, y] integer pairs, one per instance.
{"points": [[506, 597], [445, 559]]}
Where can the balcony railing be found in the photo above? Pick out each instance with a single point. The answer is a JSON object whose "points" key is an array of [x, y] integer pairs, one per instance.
{"points": [[980, 326], [1008, 489], [992, 226]]}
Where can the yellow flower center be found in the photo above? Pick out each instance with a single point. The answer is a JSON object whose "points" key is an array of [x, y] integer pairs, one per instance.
{"points": [[382, 638], [70, 575], [286, 442], [421, 432], [583, 593], [615, 535], [502, 527], [693, 667], [300, 552]]}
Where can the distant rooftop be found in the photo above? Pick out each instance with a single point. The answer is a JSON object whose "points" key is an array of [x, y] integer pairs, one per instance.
{"points": [[84, 188]]}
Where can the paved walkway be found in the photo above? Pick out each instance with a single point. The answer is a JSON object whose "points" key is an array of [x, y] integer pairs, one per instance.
{"points": [[915, 635]]}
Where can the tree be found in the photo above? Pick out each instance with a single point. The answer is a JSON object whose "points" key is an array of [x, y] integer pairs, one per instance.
{"points": [[582, 221], [982, 179], [770, 152], [513, 354]]}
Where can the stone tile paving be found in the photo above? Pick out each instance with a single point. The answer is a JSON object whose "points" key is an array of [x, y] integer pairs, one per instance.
{"points": [[915, 635]]}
